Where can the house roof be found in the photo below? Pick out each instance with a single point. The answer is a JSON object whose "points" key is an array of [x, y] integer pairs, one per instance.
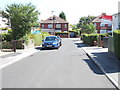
{"points": [[56, 20], [97, 20], [106, 17]]}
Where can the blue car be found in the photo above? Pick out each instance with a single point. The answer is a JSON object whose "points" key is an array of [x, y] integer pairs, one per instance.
{"points": [[51, 42]]}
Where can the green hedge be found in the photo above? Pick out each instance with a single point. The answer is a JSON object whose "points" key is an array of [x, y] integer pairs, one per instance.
{"points": [[39, 37], [9, 45], [62, 33], [89, 38], [6, 37], [45, 34], [116, 35]]}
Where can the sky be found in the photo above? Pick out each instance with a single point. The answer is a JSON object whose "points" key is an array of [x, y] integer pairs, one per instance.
{"points": [[73, 9]]}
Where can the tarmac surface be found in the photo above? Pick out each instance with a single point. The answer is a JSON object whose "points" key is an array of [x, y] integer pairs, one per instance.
{"points": [[68, 67]]}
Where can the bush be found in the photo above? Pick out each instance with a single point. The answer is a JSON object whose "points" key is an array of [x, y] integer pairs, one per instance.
{"points": [[9, 45], [6, 37], [103, 35], [45, 34], [38, 39], [89, 38], [116, 35], [62, 34], [4, 28], [26, 39]]}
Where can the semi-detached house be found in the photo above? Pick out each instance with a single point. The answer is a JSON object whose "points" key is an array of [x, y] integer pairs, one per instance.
{"points": [[103, 23], [54, 24]]}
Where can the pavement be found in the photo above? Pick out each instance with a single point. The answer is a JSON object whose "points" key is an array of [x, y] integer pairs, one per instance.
{"points": [[8, 57], [106, 61]]}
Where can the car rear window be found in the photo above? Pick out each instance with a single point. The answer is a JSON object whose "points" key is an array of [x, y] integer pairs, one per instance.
{"points": [[51, 39]]}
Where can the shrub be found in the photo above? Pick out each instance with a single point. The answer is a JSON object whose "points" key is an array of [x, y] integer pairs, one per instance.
{"points": [[89, 38], [38, 39], [62, 34], [45, 34], [4, 28], [26, 39], [6, 37], [9, 45], [116, 35]]}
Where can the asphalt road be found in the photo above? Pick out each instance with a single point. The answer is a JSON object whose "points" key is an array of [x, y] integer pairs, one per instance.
{"points": [[68, 67]]}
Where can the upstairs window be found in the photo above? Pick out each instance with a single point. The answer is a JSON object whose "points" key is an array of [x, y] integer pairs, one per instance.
{"points": [[102, 25], [50, 26], [65, 25], [95, 24], [58, 25], [109, 25], [42, 25]]}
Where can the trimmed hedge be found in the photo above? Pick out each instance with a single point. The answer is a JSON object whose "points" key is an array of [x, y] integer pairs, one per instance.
{"points": [[39, 37], [116, 35], [9, 45], [89, 38], [62, 34]]}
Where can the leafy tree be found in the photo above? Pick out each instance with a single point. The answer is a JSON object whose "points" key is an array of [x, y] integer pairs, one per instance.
{"points": [[73, 27], [22, 18], [62, 15], [85, 24], [90, 28]]}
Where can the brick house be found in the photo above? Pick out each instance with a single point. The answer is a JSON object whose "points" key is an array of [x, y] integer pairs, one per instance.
{"points": [[54, 24], [103, 23]]}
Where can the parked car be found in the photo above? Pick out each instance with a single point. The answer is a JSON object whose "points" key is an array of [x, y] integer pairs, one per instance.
{"points": [[51, 42], [60, 40]]}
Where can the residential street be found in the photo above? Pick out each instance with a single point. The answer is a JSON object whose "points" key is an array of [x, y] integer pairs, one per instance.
{"points": [[67, 67]]}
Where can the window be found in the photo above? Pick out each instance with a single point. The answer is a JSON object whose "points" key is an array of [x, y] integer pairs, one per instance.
{"points": [[95, 24], [65, 25], [50, 26], [109, 25], [58, 25], [102, 25], [42, 25], [102, 31]]}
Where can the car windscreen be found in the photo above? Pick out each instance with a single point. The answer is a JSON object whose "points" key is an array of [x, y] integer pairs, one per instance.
{"points": [[51, 39]]}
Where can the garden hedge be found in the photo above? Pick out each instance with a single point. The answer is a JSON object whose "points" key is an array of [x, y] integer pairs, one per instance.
{"points": [[116, 36], [9, 45], [89, 38]]}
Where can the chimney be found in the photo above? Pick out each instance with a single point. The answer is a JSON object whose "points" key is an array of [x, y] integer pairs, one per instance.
{"points": [[103, 13]]}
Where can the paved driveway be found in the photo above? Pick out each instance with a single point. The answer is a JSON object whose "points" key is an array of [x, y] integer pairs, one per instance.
{"points": [[68, 67]]}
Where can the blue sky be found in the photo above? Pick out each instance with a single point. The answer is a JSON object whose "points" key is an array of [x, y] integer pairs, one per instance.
{"points": [[74, 9]]}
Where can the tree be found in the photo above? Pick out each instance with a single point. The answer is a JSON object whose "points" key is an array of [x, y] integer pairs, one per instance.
{"points": [[22, 18], [85, 24], [90, 28], [62, 15]]}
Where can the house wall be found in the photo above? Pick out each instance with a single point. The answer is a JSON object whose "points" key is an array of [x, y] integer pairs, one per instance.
{"points": [[116, 21], [62, 26], [105, 28]]}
